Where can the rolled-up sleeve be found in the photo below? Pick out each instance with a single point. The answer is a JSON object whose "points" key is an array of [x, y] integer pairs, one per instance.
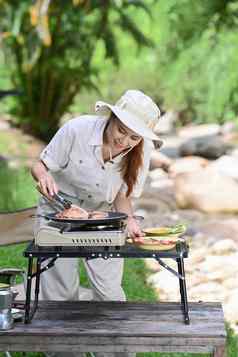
{"points": [[56, 154], [138, 188]]}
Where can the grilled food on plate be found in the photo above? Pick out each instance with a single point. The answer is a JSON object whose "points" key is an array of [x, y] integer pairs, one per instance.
{"points": [[161, 238], [176, 230], [157, 243]]}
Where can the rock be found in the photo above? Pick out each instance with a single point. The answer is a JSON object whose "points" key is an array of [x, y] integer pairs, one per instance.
{"points": [[230, 283], [210, 147], [231, 307], [158, 174], [159, 160], [163, 184], [234, 152], [187, 164], [195, 279], [228, 127], [206, 190], [147, 204], [166, 123], [152, 264], [194, 217], [196, 256], [220, 275], [221, 228], [4, 125], [216, 295], [226, 165], [164, 282], [161, 197], [171, 146], [215, 263], [160, 179], [191, 131], [210, 287], [223, 247]]}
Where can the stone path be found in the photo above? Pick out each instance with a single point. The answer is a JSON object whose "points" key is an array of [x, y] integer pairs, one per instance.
{"points": [[212, 267]]}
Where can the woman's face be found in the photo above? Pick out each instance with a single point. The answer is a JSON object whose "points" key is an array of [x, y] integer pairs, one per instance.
{"points": [[120, 137]]}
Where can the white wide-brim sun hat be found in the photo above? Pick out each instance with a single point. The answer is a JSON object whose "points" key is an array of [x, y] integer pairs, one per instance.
{"points": [[135, 110]]}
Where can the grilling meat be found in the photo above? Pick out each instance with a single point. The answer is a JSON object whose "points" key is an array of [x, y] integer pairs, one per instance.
{"points": [[74, 212], [98, 215]]}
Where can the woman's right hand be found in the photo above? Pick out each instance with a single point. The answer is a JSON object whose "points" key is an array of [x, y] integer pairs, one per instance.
{"points": [[45, 181], [46, 185]]}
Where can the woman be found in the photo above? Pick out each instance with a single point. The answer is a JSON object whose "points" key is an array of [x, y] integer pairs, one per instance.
{"points": [[99, 162]]}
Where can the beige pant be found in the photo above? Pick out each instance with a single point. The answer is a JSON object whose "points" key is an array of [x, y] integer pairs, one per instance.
{"points": [[61, 282]]}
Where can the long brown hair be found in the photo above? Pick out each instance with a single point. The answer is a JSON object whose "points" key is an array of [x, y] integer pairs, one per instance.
{"points": [[130, 166]]}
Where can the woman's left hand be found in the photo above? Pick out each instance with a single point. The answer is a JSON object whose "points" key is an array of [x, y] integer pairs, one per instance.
{"points": [[134, 230]]}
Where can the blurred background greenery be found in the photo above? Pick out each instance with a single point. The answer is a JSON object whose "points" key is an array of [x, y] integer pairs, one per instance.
{"points": [[62, 56]]}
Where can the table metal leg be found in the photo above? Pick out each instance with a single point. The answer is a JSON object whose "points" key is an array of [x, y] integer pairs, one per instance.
{"points": [[28, 291], [183, 290], [37, 288]]}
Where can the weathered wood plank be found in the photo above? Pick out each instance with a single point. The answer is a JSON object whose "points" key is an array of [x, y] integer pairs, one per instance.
{"points": [[116, 305], [37, 347], [86, 340], [121, 328], [118, 327]]}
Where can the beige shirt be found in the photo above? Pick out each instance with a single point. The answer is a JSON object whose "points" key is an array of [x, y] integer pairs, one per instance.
{"points": [[74, 158]]}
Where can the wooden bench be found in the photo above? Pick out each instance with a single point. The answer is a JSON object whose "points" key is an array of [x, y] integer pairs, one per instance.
{"points": [[119, 327]]}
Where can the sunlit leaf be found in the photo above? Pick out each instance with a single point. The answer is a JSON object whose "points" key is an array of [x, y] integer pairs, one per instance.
{"points": [[18, 19], [6, 34], [34, 14], [138, 4], [128, 24], [78, 2], [43, 30]]}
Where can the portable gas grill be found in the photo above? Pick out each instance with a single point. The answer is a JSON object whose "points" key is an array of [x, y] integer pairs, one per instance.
{"points": [[106, 231], [56, 233]]}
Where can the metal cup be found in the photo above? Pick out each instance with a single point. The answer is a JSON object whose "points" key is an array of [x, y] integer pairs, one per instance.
{"points": [[6, 298]]}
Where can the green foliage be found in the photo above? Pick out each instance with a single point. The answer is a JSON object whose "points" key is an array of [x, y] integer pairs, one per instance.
{"points": [[198, 58], [50, 52], [193, 70]]}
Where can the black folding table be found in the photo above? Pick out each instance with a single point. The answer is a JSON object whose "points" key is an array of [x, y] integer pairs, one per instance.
{"points": [[48, 256]]}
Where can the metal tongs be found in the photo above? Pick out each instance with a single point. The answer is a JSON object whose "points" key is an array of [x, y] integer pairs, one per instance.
{"points": [[65, 203], [57, 198]]}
